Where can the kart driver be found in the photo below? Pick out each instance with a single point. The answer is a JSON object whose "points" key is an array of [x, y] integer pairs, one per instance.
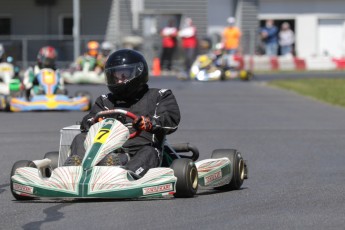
{"points": [[157, 110], [46, 58], [90, 58], [106, 48]]}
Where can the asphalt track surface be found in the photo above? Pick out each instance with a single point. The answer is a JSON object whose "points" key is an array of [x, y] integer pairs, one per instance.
{"points": [[294, 146]]}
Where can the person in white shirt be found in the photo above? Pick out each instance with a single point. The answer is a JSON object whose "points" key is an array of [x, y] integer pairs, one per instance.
{"points": [[189, 42], [286, 39]]}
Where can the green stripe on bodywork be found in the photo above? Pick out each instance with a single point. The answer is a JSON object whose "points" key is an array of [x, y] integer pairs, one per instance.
{"points": [[122, 194], [90, 156], [90, 159]]}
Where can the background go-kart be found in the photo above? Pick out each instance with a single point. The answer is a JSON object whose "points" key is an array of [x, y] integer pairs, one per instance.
{"points": [[294, 147]]}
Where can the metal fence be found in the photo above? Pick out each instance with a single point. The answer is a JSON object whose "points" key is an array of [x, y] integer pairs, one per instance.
{"points": [[24, 48]]}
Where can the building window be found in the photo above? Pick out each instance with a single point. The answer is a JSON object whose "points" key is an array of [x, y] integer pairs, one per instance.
{"points": [[5, 26], [67, 26]]}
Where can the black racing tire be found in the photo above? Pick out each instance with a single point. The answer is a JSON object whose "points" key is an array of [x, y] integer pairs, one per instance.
{"points": [[20, 164], [187, 177], [237, 165], [8, 104], [54, 157]]}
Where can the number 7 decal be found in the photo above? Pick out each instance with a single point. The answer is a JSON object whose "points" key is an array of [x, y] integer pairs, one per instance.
{"points": [[102, 135]]}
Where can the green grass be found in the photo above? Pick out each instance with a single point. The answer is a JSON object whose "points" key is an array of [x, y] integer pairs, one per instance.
{"points": [[330, 90]]}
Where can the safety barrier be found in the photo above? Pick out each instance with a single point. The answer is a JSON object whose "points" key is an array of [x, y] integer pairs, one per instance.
{"points": [[290, 63]]}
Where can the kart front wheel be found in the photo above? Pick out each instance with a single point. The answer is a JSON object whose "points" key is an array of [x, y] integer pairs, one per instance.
{"points": [[238, 166], [20, 164], [54, 158], [187, 177]]}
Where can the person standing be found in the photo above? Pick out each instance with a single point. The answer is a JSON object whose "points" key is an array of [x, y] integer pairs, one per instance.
{"points": [[189, 42], [231, 37], [269, 35], [169, 42], [286, 39]]}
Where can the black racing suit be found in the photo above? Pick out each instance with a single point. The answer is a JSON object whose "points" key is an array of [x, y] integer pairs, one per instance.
{"points": [[144, 150]]}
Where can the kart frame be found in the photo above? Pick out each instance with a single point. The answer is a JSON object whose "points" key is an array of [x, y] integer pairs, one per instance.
{"points": [[179, 175]]}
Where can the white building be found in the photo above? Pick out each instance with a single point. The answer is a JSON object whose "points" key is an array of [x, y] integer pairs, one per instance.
{"points": [[319, 25]]}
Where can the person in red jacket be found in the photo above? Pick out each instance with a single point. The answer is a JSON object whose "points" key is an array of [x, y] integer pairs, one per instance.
{"points": [[169, 42], [189, 42]]}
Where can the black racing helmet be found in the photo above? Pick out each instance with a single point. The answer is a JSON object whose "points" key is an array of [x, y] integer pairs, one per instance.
{"points": [[126, 73]]}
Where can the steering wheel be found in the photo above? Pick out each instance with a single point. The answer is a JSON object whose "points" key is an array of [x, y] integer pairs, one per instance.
{"points": [[118, 111]]}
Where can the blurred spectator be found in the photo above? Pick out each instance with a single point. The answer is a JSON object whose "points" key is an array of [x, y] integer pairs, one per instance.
{"points": [[169, 42], [269, 35], [189, 42], [231, 37], [106, 48], [286, 39]]}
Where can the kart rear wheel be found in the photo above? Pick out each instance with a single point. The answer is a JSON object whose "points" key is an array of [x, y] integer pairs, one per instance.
{"points": [[20, 164], [238, 167], [54, 157], [187, 177]]}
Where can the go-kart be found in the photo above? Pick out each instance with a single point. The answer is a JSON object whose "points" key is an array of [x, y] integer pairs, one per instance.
{"points": [[84, 76], [207, 68], [8, 80], [47, 96], [178, 175]]}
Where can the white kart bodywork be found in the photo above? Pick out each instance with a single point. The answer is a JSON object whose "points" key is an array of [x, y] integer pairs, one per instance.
{"points": [[92, 181], [6, 74]]}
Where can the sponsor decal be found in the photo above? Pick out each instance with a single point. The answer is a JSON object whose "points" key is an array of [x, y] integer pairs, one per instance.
{"points": [[139, 170], [23, 188], [215, 176], [157, 189]]}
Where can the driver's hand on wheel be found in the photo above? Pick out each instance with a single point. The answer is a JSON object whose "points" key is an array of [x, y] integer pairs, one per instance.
{"points": [[142, 123]]}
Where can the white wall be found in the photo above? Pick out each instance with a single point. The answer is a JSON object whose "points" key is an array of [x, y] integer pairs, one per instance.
{"points": [[331, 39], [306, 35], [301, 6], [218, 12]]}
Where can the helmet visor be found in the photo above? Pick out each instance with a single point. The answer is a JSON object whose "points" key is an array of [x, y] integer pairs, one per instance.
{"points": [[48, 62], [123, 74]]}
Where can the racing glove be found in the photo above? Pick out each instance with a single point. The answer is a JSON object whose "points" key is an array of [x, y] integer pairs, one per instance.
{"points": [[142, 123]]}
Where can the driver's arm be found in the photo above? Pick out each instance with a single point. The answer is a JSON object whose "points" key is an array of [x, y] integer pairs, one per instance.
{"points": [[88, 120], [167, 113]]}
